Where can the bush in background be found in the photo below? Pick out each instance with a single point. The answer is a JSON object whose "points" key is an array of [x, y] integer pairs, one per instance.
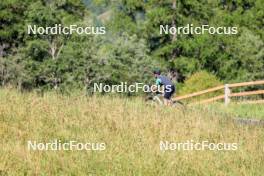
{"points": [[200, 81]]}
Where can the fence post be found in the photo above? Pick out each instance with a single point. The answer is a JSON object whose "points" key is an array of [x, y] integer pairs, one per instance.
{"points": [[227, 94]]}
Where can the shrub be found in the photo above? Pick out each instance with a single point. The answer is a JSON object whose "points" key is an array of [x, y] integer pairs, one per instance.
{"points": [[200, 81]]}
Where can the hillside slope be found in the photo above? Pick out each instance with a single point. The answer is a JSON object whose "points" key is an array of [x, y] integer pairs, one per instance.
{"points": [[131, 132]]}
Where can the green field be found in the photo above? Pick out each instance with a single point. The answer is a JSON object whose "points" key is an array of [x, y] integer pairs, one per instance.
{"points": [[132, 132], [234, 110]]}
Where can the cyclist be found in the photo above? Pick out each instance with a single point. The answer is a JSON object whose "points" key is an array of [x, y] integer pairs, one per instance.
{"points": [[169, 88]]}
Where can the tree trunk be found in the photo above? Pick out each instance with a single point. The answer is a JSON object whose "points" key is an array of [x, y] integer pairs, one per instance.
{"points": [[174, 37], [55, 50]]}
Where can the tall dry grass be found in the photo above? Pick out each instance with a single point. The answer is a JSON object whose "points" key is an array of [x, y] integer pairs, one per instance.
{"points": [[132, 132]]}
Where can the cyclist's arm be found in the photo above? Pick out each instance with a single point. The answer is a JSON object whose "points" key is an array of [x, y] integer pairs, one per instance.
{"points": [[158, 82], [157, 86]]}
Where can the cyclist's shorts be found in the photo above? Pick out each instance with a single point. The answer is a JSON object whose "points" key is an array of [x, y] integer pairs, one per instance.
{"points": [[169, 92]]}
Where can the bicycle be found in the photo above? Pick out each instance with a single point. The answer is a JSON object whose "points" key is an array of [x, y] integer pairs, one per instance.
{"points": [[156, 99]]}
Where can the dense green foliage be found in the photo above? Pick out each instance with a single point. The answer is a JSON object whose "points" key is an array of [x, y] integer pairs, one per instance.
{"points": [[199, 81], [132, 45]]}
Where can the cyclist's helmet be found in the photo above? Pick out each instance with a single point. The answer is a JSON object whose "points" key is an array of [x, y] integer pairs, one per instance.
{"points": [[156, 71]]}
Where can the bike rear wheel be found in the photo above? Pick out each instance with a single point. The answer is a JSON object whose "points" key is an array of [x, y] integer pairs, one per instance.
{"points": [[179, 105]]}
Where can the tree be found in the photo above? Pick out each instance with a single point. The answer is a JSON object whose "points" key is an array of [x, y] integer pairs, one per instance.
{"points": [[43, 52]]}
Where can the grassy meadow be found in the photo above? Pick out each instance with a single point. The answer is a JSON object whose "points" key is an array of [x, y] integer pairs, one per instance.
{"points": [[245, 111], [132, 132]]}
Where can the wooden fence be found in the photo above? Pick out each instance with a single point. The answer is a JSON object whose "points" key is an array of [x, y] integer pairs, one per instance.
{"points": [[227, 93]]}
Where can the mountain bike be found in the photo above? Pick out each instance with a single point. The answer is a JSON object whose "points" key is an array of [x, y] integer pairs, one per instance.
{"points": [[157, 99]]}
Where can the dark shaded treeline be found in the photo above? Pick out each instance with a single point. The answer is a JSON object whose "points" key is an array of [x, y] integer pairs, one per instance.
{"points": [[132, 46]]}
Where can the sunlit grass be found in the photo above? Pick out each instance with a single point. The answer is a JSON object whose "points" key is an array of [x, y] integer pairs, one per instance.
{"points": [[238, 110], [132, 132]]}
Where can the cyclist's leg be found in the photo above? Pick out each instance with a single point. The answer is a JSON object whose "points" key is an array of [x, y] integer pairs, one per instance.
{"points": [[167, 96], [166, 102]]}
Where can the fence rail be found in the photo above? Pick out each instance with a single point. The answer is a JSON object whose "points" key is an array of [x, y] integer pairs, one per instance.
{"points": [[227, 93], [199, 93]]}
